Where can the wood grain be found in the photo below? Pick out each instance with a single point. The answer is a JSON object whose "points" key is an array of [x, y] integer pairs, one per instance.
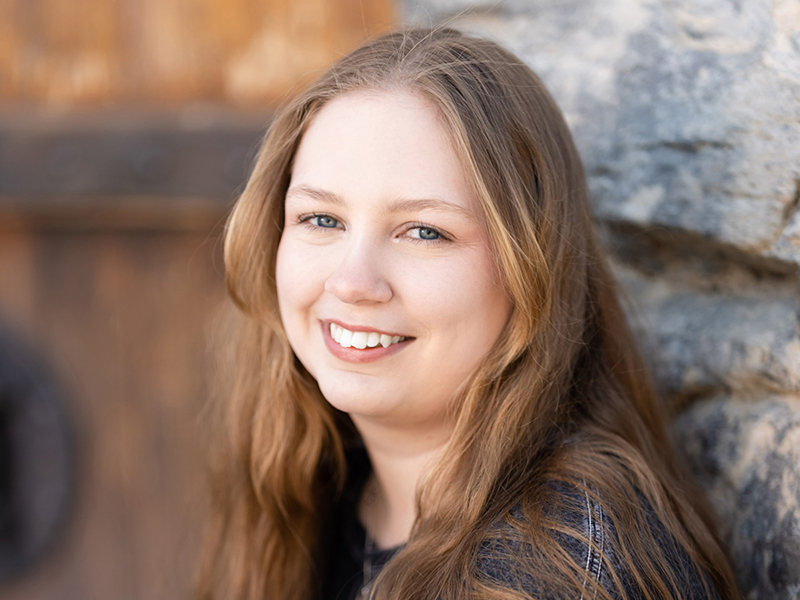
{"points": [[122, 321], [240, 52]]}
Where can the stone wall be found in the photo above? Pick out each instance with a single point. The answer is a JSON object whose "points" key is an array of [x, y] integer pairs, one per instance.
{"points": [[687, 116]]}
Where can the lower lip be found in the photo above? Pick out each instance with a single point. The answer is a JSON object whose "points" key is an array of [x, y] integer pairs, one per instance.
{"points": [[356, 355]]}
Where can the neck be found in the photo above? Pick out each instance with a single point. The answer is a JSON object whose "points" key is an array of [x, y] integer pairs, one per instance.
{"points": [[399, 460]]}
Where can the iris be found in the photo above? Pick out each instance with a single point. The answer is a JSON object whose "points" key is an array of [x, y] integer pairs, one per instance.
{"points": [[428, 234], [325, 221]]}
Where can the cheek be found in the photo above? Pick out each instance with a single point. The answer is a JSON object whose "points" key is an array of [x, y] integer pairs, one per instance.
{"points": [[283, 281], [294, 284], [463, 299], [297, 292]]}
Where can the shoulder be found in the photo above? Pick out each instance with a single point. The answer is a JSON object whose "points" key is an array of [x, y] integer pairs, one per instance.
{"points": [[578, 541]]}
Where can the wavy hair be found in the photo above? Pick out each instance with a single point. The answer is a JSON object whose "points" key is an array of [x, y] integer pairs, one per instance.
{"points": [[564, 396]]}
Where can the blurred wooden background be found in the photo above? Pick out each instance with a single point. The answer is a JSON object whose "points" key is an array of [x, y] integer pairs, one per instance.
{"points": [[126, 128], [244, 52]]}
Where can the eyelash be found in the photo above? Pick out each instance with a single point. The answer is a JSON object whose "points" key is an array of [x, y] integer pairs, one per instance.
{"points": [[306, 220]]}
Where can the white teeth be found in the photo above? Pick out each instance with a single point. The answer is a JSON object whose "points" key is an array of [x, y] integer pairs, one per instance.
{"points": [[361, 339]]}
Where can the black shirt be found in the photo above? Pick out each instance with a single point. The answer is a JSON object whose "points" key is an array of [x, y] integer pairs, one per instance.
{"points": [[348, 557]]}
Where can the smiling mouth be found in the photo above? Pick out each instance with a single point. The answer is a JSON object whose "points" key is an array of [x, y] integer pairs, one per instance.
{"points": [[363, 339]]}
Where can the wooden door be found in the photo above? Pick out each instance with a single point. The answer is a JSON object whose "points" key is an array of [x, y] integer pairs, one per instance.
{"points": [[126, 129]]}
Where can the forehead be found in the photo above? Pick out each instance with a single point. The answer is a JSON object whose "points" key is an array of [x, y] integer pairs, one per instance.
{"points": [[382, 145]]}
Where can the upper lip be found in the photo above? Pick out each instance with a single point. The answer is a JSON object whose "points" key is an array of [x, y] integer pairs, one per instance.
{"points": [[365, 328]]}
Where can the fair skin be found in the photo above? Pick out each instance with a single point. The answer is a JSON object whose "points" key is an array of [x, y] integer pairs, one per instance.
{"points": [[387, 287]]}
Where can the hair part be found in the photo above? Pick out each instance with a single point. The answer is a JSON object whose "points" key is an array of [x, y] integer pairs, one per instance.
{"points": [[564, 396]]}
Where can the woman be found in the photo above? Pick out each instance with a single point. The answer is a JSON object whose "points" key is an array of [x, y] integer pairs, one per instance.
{"points": [[435, 393]]}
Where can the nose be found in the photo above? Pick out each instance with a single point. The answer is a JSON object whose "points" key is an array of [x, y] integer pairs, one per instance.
{"points": [[359, 276]]}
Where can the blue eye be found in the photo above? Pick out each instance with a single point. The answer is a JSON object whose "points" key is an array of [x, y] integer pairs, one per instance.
{"points": [[324, 221], [427, 233], [420, 233]]}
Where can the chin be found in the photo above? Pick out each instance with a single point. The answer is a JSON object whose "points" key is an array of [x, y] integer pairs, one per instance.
{"points": [[350, 402], [367, 400]]}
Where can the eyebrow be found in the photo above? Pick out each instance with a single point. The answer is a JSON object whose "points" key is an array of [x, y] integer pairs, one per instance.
{"points": [[395, 206]]}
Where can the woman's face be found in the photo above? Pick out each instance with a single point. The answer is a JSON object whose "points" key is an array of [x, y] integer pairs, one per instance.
{"points": [[388, 290]]}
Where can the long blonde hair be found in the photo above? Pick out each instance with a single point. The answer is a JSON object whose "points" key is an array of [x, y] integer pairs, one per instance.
{"points": [[563, 397]]}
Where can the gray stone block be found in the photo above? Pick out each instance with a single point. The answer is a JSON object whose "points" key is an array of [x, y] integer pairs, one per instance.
{"points": [[719, 339], [687, 114], [746, 455]]}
